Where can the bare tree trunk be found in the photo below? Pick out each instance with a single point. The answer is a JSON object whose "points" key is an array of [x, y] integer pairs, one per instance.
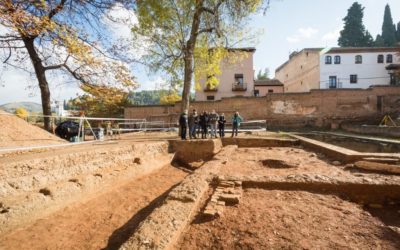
{"points": [[40, 72], [189, 52]]}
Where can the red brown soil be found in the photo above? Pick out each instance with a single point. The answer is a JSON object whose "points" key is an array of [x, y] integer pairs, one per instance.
{"points": [[104, 221], [272, 219], [251, 162], [17, 132]]}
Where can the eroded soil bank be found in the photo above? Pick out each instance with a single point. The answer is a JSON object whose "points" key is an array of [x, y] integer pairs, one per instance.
{"points": [[103, 221]]}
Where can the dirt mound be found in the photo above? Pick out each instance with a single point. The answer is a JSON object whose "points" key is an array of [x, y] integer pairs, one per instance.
{"points": [[15, 131]]}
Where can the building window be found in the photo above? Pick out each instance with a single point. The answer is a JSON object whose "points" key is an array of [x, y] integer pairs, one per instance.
{"points": [[210, 98], [337, 59], [389, 58], [380, 58], [328, 60], [239, 79], [358, 59], [332, 82], [270, 91], [353, 78], [256, 92]]}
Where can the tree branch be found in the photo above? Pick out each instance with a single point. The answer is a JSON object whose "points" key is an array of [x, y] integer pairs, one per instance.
{"points": [[208, 30], [57, 66], [57, 9], [8, 57]]}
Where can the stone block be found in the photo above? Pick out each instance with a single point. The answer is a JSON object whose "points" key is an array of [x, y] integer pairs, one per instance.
{"points": [[230, 199]]}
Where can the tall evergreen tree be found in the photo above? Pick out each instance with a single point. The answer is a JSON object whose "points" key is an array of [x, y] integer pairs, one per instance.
{"points": [[398, 32], [379, 42], [368, 39], [388, 29], [354, 33]]}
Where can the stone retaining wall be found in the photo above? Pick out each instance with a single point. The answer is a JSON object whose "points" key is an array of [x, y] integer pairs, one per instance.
{"points": [[318, 108], [372, 130]]}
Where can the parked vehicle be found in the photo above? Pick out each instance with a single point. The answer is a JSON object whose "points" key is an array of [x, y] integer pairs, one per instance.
{"points": [[67, 130]]}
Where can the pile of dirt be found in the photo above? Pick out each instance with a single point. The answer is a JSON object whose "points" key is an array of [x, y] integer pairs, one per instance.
{"points": [[15, 131]]}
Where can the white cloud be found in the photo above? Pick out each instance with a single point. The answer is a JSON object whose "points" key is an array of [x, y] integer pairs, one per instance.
{"points": [[155, 83], [333, 35], [302, 34], [120, 21]]}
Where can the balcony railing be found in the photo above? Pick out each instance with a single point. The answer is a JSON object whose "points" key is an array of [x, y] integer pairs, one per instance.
{"points": [[210, 89], [338, 85], [239, 86]]}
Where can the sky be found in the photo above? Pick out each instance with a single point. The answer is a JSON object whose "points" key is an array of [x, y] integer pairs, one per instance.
{"points": [[287, 26]]}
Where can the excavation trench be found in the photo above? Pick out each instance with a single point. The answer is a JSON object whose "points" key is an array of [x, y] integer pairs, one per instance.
{"points": [[131, 196], [201, 209]]}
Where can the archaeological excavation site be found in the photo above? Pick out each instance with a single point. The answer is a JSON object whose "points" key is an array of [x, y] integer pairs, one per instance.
{"points": [[150, 190]]}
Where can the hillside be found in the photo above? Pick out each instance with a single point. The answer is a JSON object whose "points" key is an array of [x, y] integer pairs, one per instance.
{"points": [[29, 106]]}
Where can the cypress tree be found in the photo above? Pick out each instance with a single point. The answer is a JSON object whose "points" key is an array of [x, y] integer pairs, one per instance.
{"points": [[368, 40], [388, 29], [354, 33], [398, 32], [379, 42]]}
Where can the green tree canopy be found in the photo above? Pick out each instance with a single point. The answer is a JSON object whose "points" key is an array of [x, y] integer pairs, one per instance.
{"points": [[263, 75], [354, 33], [388, 29], [398, 32], [181, 35], [379, 42]]}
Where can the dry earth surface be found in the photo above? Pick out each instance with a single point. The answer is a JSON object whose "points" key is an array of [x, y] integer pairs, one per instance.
{"points": [[267, 162], [272, 219], [17, 132], [106, 218], [103, 221]]}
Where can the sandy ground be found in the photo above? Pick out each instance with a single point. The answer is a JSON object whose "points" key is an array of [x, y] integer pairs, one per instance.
{"points": [[252, 162], [249, 162], [272, 219], [104, 221], [17, 132]]}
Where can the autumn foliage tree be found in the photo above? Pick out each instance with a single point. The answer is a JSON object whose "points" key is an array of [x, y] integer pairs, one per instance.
{"points": [[102, 101], [170, 98], [65, 35], [178, 35], [21, 113]]}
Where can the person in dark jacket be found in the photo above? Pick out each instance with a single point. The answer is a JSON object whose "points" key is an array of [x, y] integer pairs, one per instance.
{"points": [[193, 123], [183, 124], [221, 125], [213, 123], [203, 124]]}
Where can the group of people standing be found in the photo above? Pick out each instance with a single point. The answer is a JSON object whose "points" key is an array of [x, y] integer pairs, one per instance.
{"points": [[206, 124]]}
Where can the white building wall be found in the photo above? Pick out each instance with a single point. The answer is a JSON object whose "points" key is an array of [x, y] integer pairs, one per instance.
{"points": [[227, 78], [370, 72]]}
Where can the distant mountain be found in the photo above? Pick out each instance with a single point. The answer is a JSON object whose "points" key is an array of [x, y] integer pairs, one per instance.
{"points": [[31, 107]]}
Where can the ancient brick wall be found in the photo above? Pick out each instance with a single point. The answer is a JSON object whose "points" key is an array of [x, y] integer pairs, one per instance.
{"points": [[318, 108]]}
